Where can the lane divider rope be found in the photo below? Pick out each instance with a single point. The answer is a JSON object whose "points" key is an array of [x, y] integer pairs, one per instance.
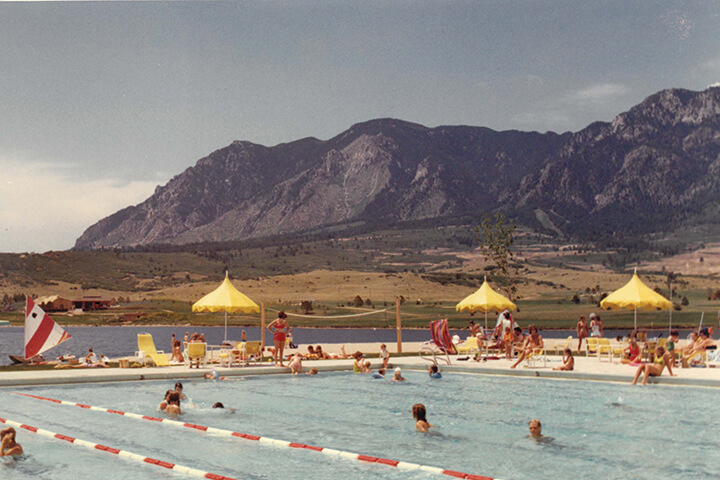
{"points": [[115, 451], [271, 441]]}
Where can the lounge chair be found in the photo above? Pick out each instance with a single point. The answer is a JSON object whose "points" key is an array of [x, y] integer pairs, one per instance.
{"points": [[196, 352], [469, 347], [534, 357], [229, 356], [591, 346], [147, 346], [604, 348], [560, 349], [254, 350], [441, 342]]}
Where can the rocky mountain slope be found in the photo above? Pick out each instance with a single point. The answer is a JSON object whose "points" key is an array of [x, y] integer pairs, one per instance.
{"points": [[651, 167]]}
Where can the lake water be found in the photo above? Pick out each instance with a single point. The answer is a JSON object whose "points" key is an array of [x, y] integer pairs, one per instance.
{"points": [[122, 341]]}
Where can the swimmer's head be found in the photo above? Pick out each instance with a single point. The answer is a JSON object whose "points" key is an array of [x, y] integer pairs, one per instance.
{"points": [[313, 371], [381, 371], [218, 405], [418, 412], [535, 428], [433, 368]]}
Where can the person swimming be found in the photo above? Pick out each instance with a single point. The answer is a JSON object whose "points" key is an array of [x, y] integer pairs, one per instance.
{"points": [[419, 414], [433, 371], [8, 446]]}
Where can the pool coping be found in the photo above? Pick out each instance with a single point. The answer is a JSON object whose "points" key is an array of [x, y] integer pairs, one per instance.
{"points": [[586, 370]]}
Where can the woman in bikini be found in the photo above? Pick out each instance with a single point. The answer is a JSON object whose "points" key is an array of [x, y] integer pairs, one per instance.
{"points": [[662, 359], [279, 328]]}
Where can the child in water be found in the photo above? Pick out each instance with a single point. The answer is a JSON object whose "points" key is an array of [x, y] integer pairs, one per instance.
{"points": [[433, 371], [418, 413], [296, 364], [398, 376], [8, 445]]}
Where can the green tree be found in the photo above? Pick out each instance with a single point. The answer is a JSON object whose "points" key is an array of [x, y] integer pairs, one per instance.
{"points": [[496, 238]]}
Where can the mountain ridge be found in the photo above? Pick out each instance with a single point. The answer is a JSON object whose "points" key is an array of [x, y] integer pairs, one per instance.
{"points": [[649, 168]]}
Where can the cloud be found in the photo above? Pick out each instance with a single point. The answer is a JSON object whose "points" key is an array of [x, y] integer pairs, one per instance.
{"points": [[45, 207], [600, 92]]}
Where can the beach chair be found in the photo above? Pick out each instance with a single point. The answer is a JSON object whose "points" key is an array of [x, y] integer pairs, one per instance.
{"points": [[697, 359], [196, 352], [591, 346], [619, 350], [254, 350], [533, 358], [604, 349], [235, 354], [441, 343], [469, 347], [146, 345], [560, 349]]}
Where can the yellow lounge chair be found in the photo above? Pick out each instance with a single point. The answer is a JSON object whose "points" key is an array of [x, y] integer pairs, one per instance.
{"points": [[196, 352], [253, 349], [560, 349], [228, 356], [591, 346], [469, 347], [147, 345], [604, 348]]}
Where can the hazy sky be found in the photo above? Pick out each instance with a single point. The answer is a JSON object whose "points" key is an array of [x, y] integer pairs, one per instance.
{"points": [[101, 102]]}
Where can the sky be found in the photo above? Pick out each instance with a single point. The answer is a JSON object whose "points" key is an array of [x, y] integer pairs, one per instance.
{"points": [[101, 102]]}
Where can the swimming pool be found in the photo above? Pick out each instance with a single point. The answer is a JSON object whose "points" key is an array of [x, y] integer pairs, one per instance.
{"points": [[600, 430]]}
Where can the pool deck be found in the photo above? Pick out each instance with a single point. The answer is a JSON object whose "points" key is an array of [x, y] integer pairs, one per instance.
{"points": [[586, 369]]}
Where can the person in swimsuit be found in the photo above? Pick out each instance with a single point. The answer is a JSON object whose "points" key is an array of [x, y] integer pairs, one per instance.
{"points": [[173, 404], [568, 361], [582, 331], [662, 359], [295, 364], [631, 352], [533, 344], [8, 445], [384, 355], [419, 414], [279, 328], [358, 362]]}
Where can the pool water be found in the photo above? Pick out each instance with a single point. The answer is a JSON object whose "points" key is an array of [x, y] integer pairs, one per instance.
{"points": [[600, 430]]}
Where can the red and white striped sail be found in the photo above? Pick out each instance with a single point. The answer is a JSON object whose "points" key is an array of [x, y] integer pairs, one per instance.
{"points": [[41, 331]]}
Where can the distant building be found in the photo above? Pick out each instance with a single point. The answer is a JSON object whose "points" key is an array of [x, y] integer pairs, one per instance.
{"points": [[54, 303], [93, 302]]}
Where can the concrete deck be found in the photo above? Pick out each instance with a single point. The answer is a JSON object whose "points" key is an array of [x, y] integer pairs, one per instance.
{"points": [[586, 369]]}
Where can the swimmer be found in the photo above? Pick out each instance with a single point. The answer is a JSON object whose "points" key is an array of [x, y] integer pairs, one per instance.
{"points": [[164, 403], [418, 413], [212, 375], [535, 429], [366, 367], [313, 371], [8, 446], [433, 371], [218, 405], [380, 374], [179, 389], [398, 376], [173, 404]]}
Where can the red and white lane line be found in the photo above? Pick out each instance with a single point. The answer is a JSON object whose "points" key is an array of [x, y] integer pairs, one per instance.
{"points": [[120, 453], [272, 441]]}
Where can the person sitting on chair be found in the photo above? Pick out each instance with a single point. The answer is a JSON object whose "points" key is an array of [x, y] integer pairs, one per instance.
{"points": [[533, 344]]}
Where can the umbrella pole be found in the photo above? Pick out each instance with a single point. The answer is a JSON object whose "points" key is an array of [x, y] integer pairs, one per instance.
{"points": [[262, 330], [225, 340], [486, 321], [636, 319]]}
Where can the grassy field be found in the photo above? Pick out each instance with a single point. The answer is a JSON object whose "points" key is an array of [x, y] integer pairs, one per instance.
{"points": [[432, 269]]}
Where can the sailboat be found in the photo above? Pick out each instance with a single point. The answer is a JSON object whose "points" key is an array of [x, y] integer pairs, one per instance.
{"points": [[41, 333]]}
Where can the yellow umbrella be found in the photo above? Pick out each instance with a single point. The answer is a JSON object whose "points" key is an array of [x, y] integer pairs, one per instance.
{"points": [[635, 294], [485, 299], [226, 298]]}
